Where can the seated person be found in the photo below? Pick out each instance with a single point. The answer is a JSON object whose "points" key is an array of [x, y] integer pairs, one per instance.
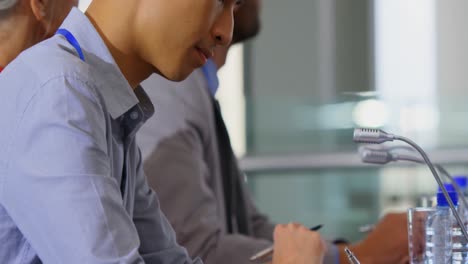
{"points": [[72, 188], [189, 161]]}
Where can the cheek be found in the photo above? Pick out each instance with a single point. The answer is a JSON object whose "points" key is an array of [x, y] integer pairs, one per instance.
{"points": [[203, 14]]}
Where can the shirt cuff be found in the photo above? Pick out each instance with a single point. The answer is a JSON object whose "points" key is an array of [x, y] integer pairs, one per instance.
{"points": [[333, 255]]}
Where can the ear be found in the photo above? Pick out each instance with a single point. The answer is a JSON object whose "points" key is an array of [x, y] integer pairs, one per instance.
{"points": [[39, 8]]}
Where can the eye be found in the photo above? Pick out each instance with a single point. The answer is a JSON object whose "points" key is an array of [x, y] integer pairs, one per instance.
{"points": [[238, 5], [240, 2]]}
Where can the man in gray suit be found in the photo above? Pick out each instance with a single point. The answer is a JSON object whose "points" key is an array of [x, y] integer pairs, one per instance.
{"points": [[189, 162]]}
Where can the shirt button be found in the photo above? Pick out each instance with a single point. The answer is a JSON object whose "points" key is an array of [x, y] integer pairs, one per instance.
{"points": [[134, 115]]}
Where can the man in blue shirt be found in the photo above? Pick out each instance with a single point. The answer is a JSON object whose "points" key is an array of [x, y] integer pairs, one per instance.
{"points": [[72, 189]]}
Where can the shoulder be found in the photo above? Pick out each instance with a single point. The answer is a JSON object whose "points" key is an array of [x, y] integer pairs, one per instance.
{"points": [[48, 69], [50, 59]]}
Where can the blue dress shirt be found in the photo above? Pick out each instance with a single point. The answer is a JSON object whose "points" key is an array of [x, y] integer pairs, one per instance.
{"points": [[72, 188]]}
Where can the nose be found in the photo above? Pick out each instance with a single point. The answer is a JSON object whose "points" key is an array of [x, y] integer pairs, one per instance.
{"points": [[223, 28]]}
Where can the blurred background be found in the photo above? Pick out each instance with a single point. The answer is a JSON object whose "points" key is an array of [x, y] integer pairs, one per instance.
{"points": [[320, 68]]}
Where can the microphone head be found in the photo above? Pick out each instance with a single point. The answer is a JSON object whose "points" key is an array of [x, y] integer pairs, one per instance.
{"points": [[371, 136], [374, 156]]}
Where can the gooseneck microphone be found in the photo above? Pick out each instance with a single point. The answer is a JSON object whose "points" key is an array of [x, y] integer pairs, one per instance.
{"points": [[377, 136], [383, 156]]}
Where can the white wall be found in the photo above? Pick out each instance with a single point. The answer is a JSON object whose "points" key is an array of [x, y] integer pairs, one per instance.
{"points": [[452, 49], [406, 66], [232, 99]]}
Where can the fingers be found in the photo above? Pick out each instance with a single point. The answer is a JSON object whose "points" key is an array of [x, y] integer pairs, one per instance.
{"points": [[296, 244], [282, 228], [405, 260], [292, 227]]}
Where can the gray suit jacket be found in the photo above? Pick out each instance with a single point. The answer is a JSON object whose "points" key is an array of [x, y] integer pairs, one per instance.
{"points": [[180, 152]]}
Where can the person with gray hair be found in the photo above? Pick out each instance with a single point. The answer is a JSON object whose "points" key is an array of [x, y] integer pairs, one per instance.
{"points": [[6, 4], [24, 23]]}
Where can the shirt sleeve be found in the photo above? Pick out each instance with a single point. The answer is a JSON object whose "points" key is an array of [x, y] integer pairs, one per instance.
{"points": [[333, 255], [59, 190]]}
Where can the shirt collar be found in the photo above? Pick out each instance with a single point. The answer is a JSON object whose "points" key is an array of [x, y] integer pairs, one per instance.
{"points": [[117, 93], [210, 71], [134, 119]]}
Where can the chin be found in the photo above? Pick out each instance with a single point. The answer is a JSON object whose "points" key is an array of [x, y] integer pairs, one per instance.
{"points": [[178, 76]]}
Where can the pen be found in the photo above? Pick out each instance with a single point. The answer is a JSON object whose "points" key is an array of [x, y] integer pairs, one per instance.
{"points": [[366, 228], [269, 250], [352, 258]]}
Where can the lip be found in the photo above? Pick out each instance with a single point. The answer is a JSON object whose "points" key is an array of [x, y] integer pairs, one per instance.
{"points": [[204, 54]]}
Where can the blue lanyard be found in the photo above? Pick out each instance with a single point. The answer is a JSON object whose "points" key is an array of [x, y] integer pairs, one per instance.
{"points": [[210, 71], [72, 40]]}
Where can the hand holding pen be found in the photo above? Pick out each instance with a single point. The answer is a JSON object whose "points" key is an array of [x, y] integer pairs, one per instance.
{"points": [[295, 243], [266, 254]]}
